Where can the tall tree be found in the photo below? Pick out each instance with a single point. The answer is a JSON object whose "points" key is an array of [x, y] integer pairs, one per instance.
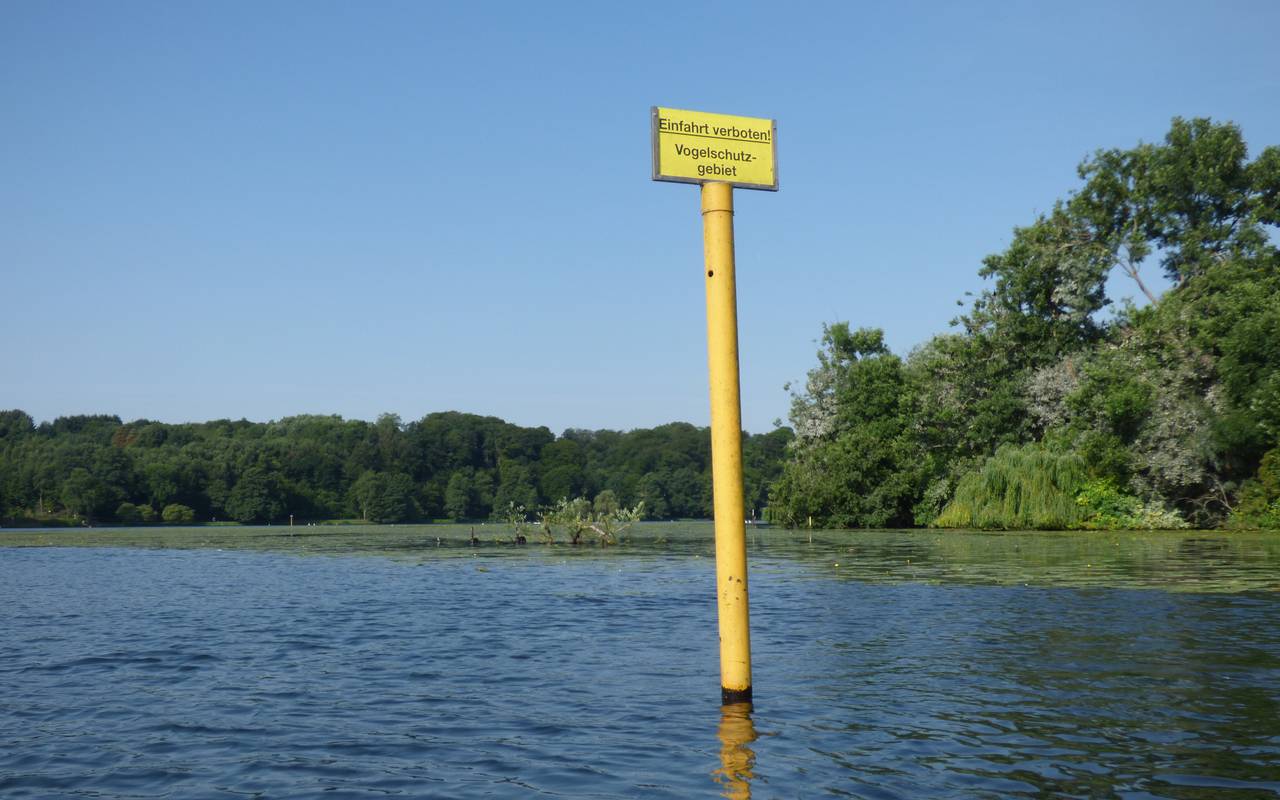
{"points": [[256, 497], [1196, 199], [851, 462]]}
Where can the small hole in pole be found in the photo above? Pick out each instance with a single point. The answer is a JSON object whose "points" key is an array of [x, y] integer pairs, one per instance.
{"points": [[711, 273]]}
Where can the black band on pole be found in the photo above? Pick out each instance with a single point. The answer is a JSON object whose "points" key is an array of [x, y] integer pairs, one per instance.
{"points": [[728, 696]]}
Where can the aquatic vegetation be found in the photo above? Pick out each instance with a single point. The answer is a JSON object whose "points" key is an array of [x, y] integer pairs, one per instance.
{"points": [[517, 519], [579, 517]]}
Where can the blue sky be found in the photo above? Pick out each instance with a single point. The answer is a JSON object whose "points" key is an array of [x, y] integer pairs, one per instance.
{"points": [[264, 209]]}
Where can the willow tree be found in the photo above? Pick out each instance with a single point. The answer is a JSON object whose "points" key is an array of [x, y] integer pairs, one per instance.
{"points": [[1019, 488]]}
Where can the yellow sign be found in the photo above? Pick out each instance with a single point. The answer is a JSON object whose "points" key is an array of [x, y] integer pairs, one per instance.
{"points": [[697, 147]]}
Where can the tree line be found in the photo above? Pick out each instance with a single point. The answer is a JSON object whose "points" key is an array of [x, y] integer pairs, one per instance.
{"points": [[1047, 407], [97, 469]]}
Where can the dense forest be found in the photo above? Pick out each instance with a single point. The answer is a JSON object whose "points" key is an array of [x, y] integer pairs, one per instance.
{"points": [[96, 469], [1045, 407]]}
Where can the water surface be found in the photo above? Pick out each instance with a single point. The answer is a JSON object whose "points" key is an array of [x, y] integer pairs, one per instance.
{"points": [[887, 665]]}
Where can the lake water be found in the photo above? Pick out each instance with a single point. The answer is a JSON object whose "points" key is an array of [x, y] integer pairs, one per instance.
{"points": [[382, 663]]}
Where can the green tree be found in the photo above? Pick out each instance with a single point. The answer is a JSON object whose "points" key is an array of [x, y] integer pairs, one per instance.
{"points": [[1259, 505], [364, 492], [1049, 285], [515, 485], [256, 497], [15, 424], [482, 493], [1195, 199], [457, 496], [1019, 488], [315, 466], [161, 481], [384, 497], [606, 503], [84, 494], [127, 514], [1175, 403], [853, 462], [971, 389], [561, 469]]}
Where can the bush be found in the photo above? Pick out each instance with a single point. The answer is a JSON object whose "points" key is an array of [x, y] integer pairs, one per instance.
{"points": [[1259, 505], [127, 514], [1104, 507], [130, 514], [1266, 517], [178, 514]]}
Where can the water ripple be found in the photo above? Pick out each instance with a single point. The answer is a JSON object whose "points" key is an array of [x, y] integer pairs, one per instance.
{"points": [[146, 674]]}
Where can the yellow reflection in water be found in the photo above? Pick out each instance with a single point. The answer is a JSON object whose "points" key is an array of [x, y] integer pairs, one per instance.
{"points": [[736, 733]]}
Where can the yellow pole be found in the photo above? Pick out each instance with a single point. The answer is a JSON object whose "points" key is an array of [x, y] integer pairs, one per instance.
{"points": [[726, 443]]}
